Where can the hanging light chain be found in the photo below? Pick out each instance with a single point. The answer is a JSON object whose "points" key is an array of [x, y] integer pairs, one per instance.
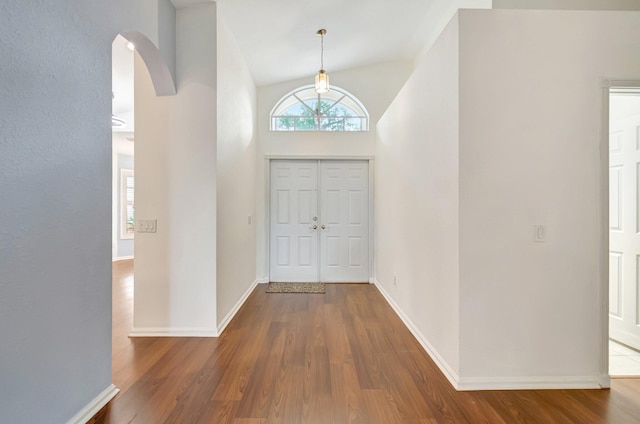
{"points": [[321, 50], [322, 79], [321, 33]]}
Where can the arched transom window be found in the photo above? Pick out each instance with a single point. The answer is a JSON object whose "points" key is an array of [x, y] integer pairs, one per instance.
{"points": [[305, 110]]}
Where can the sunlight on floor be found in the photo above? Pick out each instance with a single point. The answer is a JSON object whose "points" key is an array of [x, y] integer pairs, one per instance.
{"points": [[127, 288]]}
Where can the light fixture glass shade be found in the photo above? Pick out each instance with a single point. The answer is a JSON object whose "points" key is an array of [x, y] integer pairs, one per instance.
{"points": [[322, 82]]}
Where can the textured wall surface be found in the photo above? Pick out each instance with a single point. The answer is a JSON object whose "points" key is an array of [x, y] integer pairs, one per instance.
{"points": [[55, 202]]}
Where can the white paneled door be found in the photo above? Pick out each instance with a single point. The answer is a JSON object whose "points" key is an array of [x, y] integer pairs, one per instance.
{"points": [[319, 212], [293, 249], [344, 230], [624, 232]]}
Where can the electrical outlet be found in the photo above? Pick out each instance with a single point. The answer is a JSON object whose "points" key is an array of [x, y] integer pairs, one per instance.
{"points": [[395, 282], [249, 219]]}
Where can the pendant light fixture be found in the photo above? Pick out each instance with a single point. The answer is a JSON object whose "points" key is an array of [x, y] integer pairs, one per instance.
{"points": [[322, 79]]}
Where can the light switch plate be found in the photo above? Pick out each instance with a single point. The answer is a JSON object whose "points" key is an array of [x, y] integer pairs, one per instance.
{"points": [[146, 225], [539, 233]]}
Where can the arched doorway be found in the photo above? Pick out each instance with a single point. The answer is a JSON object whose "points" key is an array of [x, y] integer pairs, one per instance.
{"points": [[131, 52]]}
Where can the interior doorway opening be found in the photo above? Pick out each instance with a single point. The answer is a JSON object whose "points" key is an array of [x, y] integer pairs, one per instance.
{"points": [[624, 231], [123, 127], [128, 50], [123, 194]]}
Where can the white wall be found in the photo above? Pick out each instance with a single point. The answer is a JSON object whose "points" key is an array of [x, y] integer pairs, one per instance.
{"points": [[416, 204], [175, 272], [529, 133], [152, 195], [55, 201], [236, 174], [375, 86], [531, 121], [438, 17], [568, 4]]}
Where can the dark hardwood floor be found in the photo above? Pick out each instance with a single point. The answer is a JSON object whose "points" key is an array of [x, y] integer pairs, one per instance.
{"points": [[342, 357]]}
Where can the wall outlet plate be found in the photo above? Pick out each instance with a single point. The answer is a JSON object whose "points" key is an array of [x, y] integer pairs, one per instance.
{"points": [[539, 233], [146, 225]]}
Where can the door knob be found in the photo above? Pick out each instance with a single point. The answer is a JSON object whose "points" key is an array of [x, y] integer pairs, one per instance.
{"points": [[324, 227], [315, 227]]}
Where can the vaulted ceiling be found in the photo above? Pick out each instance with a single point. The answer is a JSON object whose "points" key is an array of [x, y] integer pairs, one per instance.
{"points": [[279, 42]]}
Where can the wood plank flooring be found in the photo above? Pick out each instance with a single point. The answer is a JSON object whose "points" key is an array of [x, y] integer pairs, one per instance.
{"points": [[341, 357]]}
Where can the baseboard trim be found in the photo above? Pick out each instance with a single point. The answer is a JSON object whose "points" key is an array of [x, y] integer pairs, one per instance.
{"points": [[121, 258], [444, 367], [227, 318], [94, 406], [496, 383], [528, 383], [173, 332], [263, 281], [605, 381]]}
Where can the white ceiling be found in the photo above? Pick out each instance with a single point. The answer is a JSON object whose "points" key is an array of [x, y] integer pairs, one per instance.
{"points": [[279, 42]]}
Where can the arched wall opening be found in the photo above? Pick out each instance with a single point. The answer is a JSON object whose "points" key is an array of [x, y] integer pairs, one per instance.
{"points": [[131, 52], [158, 69]]}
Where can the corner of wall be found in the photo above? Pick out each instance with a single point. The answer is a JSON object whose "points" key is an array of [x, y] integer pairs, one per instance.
{"points": [[442, 364]]}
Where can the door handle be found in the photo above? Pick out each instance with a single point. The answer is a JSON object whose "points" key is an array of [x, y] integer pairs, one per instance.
{"points": [[324, 227], [315, 227]]}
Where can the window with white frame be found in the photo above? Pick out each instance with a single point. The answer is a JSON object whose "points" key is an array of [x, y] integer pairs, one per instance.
{"points": [[127, 189], [305, 110]]}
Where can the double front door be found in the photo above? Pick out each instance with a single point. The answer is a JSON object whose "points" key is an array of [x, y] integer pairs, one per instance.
{"points": [[319, 213]]}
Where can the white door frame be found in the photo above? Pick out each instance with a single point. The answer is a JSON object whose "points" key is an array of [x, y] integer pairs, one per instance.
{"points": [[603, 189], [267, 200]]}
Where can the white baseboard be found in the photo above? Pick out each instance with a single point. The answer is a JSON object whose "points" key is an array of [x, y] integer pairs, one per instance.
{"points": [[495, 383], [173, 332], [94, 406], [604, 381], [372, 280], [263, 280], [528, 383], [121, 258], [227, 318], [448, 372]]}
